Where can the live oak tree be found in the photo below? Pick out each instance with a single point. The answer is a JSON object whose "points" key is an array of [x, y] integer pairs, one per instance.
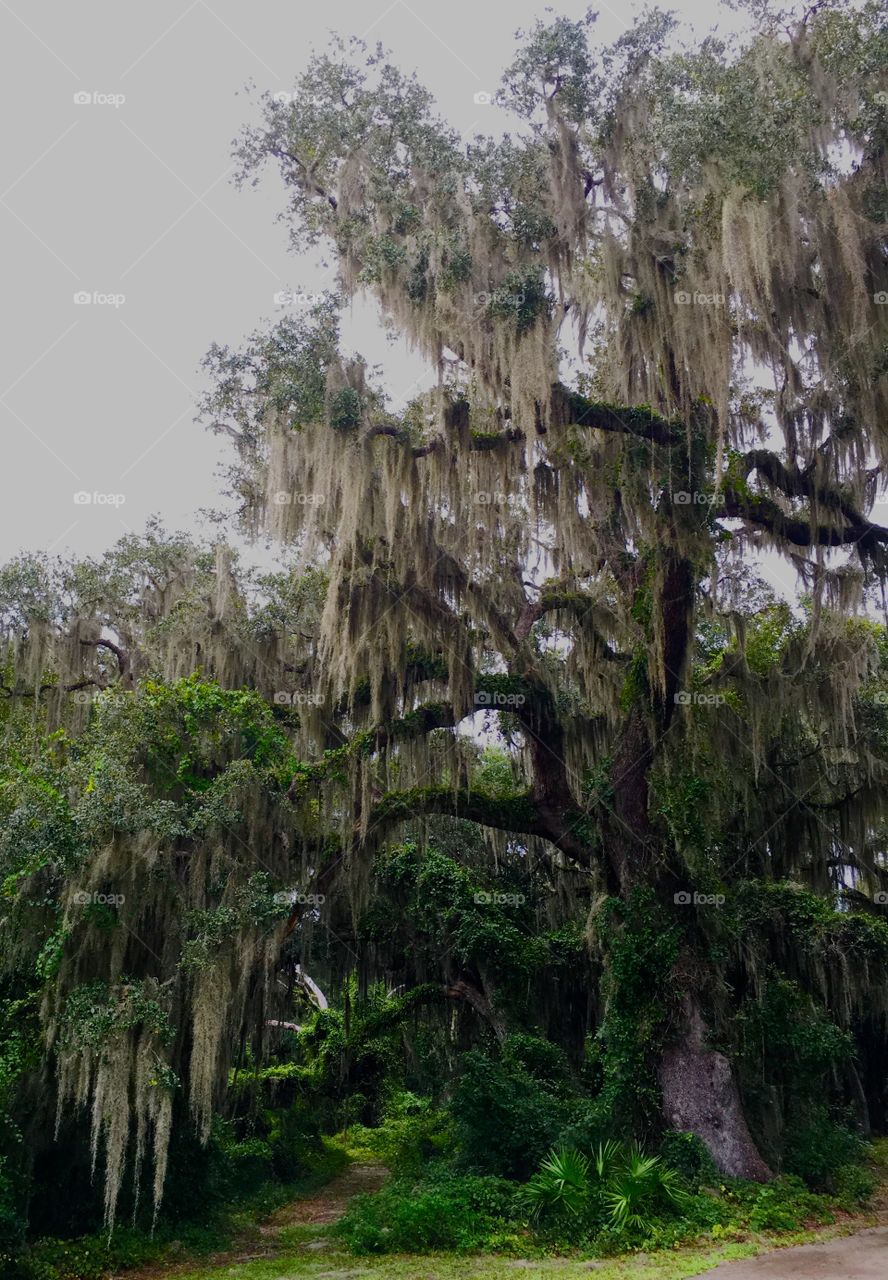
{"points": [[657, 318], [705, 229]]}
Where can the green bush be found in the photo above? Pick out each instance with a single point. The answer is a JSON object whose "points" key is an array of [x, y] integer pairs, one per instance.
{"points": [[639, 1188], [446, 1211], [786, 1204], [620, 1188], [89, 1258], [854, 1185], [505, 1119], [818, 1146], [412, 1132], [686, 1154], [560, 1186]]}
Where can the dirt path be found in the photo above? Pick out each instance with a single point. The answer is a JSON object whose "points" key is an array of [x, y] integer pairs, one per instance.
{"points": [[324, 1207], [328, 1204], [859, 1257]]}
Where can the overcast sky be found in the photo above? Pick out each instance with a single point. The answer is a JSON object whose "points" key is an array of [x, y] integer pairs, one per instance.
{"points": [[127, 198]]}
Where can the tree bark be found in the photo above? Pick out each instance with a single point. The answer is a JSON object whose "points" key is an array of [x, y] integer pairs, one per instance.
{"points": [[700, 1096]]}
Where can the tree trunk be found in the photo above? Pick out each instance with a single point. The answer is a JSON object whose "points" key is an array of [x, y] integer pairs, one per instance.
{"points": [[700, 1096], [463, 989], [699, 1091]]}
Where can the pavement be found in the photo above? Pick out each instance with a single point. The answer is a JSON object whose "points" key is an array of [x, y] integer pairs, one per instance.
{"points": [[859, 1257]]}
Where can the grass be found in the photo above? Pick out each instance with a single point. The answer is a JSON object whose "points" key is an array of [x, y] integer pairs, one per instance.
{"points": [[332, 1264]]}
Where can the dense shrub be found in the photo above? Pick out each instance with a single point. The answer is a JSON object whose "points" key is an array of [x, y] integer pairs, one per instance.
{"points": [[620, 1188], [686, 1154], [818, 1146], [854, 1185], [443, 1211], [90, 1258], [506, 1118], [786, 1204]]}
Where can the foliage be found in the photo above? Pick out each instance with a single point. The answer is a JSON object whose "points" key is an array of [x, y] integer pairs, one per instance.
{"points": [[411, 1132], [443, 1211], [638, 1187], [818, 1146], [505, 1117], [686, 1154], [236, 1186], [560, 1185], [643, 946], [622, 1188], [543, 782]]}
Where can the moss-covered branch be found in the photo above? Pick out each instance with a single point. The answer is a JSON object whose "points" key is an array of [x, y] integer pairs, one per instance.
{"points": [[570, 407], [519, 814], [799, 530]]}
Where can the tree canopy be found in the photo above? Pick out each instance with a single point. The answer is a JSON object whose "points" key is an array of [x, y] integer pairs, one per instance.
{"points": [[519, 727]]}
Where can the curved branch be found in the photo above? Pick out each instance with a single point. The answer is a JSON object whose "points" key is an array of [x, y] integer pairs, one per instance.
{"points": [[123, 660], [520, 814], [800, 531]]}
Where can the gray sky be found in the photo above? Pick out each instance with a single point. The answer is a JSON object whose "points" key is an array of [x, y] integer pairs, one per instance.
{"points": [[132, 198]]}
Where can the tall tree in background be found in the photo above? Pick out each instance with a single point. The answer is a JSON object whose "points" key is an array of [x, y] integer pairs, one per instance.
{"points": [[706, 229]]}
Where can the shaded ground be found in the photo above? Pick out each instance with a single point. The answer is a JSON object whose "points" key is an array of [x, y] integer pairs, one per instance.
{"points": [[329, 1204], [859, 1257], [315, 1211]]}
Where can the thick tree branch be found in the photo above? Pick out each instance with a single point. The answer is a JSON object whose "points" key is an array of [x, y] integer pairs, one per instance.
{"points": [[304, 178], [462, 989], [800, 531], [123, 660], [520, 814], [572, 409]]}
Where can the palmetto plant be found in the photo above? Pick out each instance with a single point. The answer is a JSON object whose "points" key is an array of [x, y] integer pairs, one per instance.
{"points": [[637, 1187], [630, 1186], [561, 1185], [606, 1159]]}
